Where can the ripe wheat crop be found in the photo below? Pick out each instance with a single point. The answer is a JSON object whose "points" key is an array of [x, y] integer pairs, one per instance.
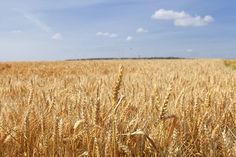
{"points": [[230, 63], [162, 108]]}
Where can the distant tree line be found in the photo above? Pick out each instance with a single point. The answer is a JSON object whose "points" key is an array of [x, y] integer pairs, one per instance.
{"points": [[126, 58]]}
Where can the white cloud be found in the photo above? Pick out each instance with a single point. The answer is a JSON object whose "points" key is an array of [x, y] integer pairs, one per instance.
{"points": [[129, 38], [57, 36], [194, 21], [16, 31], [182, 18], [189, 50], [163, 14], [141, 30], [99, 33], [113, 35], [107, 34]]}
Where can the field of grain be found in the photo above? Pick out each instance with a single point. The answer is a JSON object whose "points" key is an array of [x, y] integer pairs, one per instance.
{"points": [[118, 108], [230, 63]]}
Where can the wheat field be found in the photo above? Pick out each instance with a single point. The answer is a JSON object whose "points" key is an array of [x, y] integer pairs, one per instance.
{"points": [[230, 63], [162, 108]]}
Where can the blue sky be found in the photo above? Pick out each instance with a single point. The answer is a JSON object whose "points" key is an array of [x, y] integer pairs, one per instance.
{"points": [[69, 29]]}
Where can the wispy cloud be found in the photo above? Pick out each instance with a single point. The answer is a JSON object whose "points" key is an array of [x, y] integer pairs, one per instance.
{"points": [[107, 34], [16, 31], [57, 36], [38, 23], [189, 50], [129, 38], [182, 18], [141, 30], [43, 26]]}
